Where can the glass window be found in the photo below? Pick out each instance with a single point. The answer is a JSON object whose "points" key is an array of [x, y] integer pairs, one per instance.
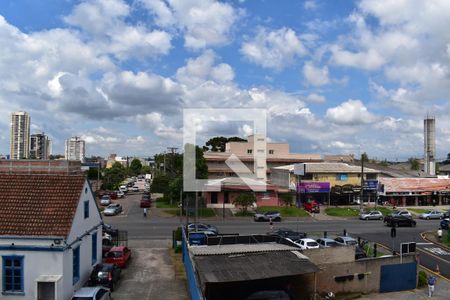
{"points": [[94, 248], [249, 151], [76, 265], [271, 151], [86, 209], [13, 274]]}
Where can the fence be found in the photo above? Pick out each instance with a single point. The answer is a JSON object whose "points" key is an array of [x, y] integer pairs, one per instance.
{"points": [[191, 276]]}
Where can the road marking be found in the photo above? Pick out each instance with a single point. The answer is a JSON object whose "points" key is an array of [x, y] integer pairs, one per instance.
{"points": [[437, 251], [424, 244], [435, 256]]}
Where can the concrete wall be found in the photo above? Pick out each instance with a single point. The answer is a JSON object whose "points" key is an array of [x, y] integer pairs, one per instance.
{"points": [[270, 198], [343, 264]]}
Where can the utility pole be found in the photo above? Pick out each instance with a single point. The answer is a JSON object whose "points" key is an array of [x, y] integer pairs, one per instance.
{"points": [[362, 184]]}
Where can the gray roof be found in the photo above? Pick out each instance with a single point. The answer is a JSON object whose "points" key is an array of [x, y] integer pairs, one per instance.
{"points": [[252, 266], [336, 168], [240, 249], [445, 168]]}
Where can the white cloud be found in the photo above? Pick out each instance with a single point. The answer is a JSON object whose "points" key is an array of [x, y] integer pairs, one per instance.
{"points": [[273, 49], [351, 112], [368, 60], [310, 5], [315, 76], [316, 98]]}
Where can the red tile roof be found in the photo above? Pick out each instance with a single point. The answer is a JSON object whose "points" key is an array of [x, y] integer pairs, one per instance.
{"points": [[38, 205], [414, 184]]}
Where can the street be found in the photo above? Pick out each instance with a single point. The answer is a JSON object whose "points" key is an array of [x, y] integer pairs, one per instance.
{"points": [[159, 226]]}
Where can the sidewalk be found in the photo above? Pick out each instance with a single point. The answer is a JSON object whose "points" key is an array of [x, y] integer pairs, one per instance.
{"points": [[441, 291]]}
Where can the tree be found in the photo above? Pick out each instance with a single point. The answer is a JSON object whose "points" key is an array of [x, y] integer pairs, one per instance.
{"points": [[244, 200], [160, 184], [135, 167], [414, 162], [365, 157], [114, 176], [287, 199], [93, 174], [217, 144]]}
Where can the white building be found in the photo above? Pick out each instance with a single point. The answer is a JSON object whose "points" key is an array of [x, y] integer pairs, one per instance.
{"points": [[75, 149], [50, 235], [20, 135]]}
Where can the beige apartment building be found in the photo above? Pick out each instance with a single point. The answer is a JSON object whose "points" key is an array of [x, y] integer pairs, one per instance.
{"points": [[254, 156], [20, 135]]}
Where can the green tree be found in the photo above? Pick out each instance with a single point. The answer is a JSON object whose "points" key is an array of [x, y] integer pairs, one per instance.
{"points": [[93, 174], [365, 157], [414, 163], [135, 167], [160, 184], [114, 176], [244, 200], [217, 144], [287, 199], [146, 170]]}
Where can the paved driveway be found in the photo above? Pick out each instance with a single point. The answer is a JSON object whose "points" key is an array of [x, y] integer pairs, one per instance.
{"points": [[150, 275]]}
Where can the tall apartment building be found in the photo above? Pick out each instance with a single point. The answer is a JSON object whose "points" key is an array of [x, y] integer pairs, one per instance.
{"points": [[20, 135], [75, 149], [40, 146]]}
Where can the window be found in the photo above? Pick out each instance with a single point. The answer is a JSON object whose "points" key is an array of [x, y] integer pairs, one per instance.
{"points": [[12, 274], [94, 248], [249, 151], [260, 140], [271, 151], [342, 177], [76, 265], [86, 209]]}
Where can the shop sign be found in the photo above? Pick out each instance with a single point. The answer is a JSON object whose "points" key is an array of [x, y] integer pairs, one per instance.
{"points": [[370, 184], [313, 187]]}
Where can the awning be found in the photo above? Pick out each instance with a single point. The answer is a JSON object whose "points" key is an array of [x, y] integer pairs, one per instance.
{"points": [[252, 266]]}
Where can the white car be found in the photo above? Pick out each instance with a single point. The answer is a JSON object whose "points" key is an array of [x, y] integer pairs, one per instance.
{"points": [[135, 189], [123, 188], [306, 243], [371, 215], [92, 293], [120, 194], [106, 200]]}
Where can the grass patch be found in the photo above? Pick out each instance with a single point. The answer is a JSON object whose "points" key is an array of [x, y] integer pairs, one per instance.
{"points": [[418, 210], [432, 235], [244, 214], [422, 282], [342, 212], [202, 212], [165, 204], [369, 251], [285, 211], [384, 210]]}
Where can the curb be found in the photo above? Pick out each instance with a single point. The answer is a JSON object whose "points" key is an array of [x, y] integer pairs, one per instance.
{"points": [[422, 234]]}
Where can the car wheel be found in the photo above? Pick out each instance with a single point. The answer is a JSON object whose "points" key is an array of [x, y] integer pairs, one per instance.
{"points": [[366, 219], [428, 218]]}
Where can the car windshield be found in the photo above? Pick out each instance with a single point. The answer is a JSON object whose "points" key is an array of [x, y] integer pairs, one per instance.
{"points": [[312, 244], [115, 254]]}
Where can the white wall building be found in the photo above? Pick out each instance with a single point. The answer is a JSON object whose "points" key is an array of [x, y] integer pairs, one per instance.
{"points": [[20, 135], [50, 235], [75, 149]]}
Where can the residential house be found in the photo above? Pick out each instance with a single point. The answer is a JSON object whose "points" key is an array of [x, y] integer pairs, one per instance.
{"points": [[50, 235]]}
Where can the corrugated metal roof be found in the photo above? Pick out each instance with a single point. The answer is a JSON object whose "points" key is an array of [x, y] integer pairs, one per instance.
{"points": [[240, 249], [336, 168], [414, 184]]}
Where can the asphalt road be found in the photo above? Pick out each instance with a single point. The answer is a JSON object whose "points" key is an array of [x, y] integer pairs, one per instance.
{"points": [[159, 227]]}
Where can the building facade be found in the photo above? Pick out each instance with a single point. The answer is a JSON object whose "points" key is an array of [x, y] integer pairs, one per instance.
{"points": [[75, 149], [40, 146], [20, 135], [429, 132]]}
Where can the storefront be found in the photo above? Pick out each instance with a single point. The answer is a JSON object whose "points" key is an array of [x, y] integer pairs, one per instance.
{"points": [[313, 191]]}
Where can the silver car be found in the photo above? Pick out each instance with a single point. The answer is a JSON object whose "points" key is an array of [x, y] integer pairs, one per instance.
{"points": [[92, 293], [371, 215], [346, 241], [267, 216], [431, 214], [113, 209]]}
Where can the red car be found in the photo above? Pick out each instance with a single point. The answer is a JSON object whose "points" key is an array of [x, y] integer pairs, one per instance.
{"points": [[118, 255], [311, 206], [146, 203]]}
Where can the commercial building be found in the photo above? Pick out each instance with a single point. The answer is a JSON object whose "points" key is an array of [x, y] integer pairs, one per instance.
{"points": [[40, 146], [75, 149], [20, 135]]}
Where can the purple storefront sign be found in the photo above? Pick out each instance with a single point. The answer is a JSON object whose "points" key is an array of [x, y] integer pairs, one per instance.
{"points": [[313, 187]]}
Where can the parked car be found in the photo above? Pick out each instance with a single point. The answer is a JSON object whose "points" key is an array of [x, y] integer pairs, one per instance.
{"points": [[289, 233], [306, 243], [274, 215], [444, 223], [431, 214], [113, 209], [113, 195], [360, 253], [327, 242], [106, 275], [105, 200], [371, 215], [446, 215], [346, 241], [201, 227], [92, 293], [146, 203], [146, 196], [123, 188], [119, 256], [135, 188], [395, 213], [396, 221], [312, 207], [107, 245], [120, 194], [110, 230]]}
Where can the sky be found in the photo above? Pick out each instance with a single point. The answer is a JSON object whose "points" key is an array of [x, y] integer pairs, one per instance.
{"points": [[334, 77]]}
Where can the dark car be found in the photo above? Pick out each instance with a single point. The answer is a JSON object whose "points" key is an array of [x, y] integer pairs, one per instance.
{"points": [[201, 227], [289, 233], [360, 253], [106, 275], [399, 220], [110, 230], [146, 203], [267, 216], [444, 223], [146, 197], [446, 214]]}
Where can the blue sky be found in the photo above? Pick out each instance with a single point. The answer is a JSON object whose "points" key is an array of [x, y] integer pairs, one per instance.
{"points": [[334, 76]]}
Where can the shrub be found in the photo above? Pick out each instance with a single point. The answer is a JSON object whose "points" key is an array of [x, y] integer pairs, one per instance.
{"points": [[178, 249], [422, 279]]}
